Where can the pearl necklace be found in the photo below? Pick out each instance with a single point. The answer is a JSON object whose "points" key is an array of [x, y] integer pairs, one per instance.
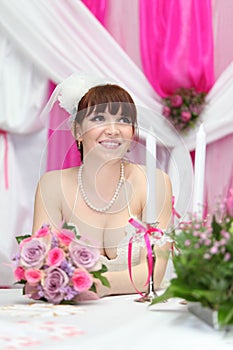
{"points": [[112, 201]]}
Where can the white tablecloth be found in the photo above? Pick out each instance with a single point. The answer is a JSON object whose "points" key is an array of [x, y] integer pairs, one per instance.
{"points": [[110, 323]]}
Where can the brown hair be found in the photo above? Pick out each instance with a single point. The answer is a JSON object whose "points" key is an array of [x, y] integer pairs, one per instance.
{"points": [[111, 97]]}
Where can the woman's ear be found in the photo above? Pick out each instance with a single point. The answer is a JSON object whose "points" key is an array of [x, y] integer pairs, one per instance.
{"points": [[76, 131]]}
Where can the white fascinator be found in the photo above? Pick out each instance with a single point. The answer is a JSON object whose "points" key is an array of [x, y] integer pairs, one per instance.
{"points": [[70, 91]]}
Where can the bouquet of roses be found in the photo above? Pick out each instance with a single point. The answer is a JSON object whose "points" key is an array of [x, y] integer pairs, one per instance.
{"points": [[58, 266], [183, 107]]}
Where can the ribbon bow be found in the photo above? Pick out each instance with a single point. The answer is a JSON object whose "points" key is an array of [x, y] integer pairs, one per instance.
{"points": [[146, 232], [174, 212]]}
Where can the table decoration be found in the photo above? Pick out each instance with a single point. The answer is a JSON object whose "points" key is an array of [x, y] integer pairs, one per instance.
{"points": [[58, 266], [148, 235], [184, 107], [203, 264]]}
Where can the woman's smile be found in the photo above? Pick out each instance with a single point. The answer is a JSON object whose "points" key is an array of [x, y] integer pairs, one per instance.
{"points": [[110, 143]]}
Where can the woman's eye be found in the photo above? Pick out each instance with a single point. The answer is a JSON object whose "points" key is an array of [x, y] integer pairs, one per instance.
{"points": [[98, 118], [126, 120]]}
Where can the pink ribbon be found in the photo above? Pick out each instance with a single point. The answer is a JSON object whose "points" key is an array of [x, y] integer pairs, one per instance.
{"points": [[4, 134], [174, 212], [147, 231]]}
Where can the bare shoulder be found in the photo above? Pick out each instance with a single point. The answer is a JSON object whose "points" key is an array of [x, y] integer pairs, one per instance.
{"points": [[139, 170], [54, 178]]}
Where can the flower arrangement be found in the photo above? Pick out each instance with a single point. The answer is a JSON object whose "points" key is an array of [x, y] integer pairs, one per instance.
{"points": [[184, 107], [204, 263], [58, 266]]}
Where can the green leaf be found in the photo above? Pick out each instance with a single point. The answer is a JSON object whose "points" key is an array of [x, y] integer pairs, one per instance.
{"points": [[98, 274], [225, 314], [19, 239]]}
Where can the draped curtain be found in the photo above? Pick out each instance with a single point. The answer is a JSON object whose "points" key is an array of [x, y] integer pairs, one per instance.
{"points": [[50, 40], [176, 40]]}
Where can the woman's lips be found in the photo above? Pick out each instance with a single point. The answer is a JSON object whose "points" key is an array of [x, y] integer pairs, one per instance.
{"points": [[110, 144]]}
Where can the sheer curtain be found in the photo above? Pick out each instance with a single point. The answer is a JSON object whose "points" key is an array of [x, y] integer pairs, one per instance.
{"points": [[23, 93], [56, 38]]}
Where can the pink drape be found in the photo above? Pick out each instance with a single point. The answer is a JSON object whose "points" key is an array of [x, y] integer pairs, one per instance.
{"points": [[62, 149], [97, 7], [176, 41]]}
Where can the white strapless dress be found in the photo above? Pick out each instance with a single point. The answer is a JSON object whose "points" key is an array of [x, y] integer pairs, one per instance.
{"points": [[120, 263]]}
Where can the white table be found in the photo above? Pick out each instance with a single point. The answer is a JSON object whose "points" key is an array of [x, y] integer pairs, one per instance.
{"points": [[110, 323]]}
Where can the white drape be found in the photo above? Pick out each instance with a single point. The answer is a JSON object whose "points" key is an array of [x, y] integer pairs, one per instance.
{"points": [[23, 92], [52, 39]]}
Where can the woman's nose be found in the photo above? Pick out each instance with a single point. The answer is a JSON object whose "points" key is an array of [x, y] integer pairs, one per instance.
{"points": [[112, 129]]}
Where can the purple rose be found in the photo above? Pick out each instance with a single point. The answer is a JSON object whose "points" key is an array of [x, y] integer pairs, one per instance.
{"points": [[33, 252], [83, 256], [54, 284], [176, 101], [185, 116]]}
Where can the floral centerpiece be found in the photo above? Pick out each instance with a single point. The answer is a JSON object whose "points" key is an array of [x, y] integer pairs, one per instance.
{"points": [[184, 107], [204, 263], [58, 266]]}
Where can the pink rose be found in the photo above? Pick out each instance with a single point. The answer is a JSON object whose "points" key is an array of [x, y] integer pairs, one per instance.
{"points": [[185, 116], [19, 273], [43, 231], [166, 111], [176, 101], [82, 280], [33, 276], [55, 257], [66, 236]]}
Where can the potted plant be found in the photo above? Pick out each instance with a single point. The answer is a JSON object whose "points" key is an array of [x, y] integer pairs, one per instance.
{"points": [[203, 265]]}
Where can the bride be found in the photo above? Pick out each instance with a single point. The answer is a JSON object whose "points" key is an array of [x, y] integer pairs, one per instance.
{"points": [[102, 194]]}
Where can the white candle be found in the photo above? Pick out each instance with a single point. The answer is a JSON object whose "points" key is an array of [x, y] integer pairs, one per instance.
{"points": [[199, 172], [151, 177]]}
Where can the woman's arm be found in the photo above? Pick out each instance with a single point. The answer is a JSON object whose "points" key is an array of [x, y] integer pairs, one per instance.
{"points": [[47, 201], [120, 282]]}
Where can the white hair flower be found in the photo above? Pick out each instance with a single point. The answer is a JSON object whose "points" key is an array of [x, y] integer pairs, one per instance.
{"points": [[72, 89]]}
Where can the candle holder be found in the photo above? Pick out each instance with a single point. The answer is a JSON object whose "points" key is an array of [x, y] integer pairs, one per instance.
{"points": [[151, 293]]}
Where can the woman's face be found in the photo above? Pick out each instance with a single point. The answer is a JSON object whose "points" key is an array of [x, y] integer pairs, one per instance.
{"points": [[107, 135]]}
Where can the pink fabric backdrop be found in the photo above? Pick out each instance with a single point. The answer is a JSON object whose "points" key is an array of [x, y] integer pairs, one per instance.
{"points": [[177, 44], [98, 8], [62, 149]]}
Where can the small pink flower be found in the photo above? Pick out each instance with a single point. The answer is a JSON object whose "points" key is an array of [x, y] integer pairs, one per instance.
{"points": [[196, 233], [225, 234], [185, 116], [43, 231], [82, 280], [33, 276], [55, 257], [19, 273], [206, 256], [187, 243], [227, 257], [176, 101], [66, 236], [207, 242], [166, 111], [214, 250]]}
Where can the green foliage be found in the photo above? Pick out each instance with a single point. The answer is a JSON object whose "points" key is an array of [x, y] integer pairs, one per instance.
{"points": [[204, 266]]}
